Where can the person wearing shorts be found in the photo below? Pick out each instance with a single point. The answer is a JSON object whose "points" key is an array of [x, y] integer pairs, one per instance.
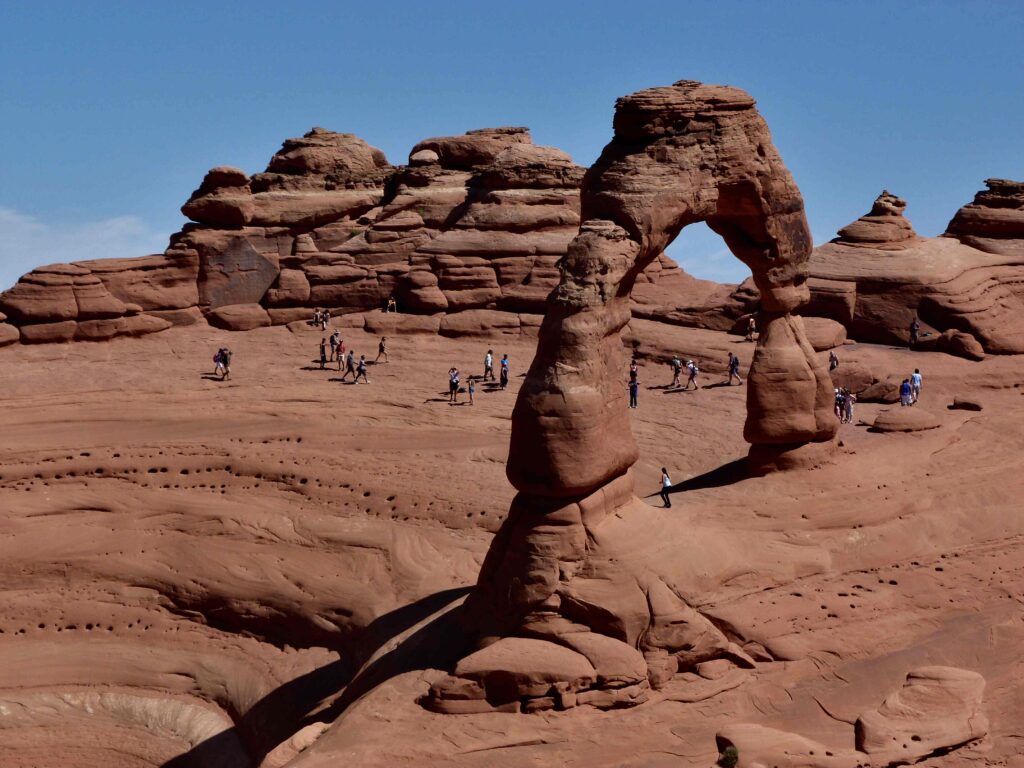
{"points": [[453, 384], [915, 384]]}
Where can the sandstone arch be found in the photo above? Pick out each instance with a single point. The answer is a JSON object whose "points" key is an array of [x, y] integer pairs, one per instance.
{"points": [[575, 604]]}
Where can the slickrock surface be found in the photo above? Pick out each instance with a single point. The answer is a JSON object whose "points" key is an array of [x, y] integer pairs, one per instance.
{"points": [[220, 609], [964, 287]]}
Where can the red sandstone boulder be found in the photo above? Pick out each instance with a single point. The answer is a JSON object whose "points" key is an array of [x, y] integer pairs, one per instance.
{"points": [[8, 334], [473, 148], [824, 334], [905, 419], [239, 317]]}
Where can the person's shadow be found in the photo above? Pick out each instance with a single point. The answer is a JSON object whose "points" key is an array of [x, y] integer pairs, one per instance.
{"points": [[321, 696]]}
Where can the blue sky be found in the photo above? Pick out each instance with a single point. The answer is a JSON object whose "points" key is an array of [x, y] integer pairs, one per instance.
{"points": [[111, 112]]}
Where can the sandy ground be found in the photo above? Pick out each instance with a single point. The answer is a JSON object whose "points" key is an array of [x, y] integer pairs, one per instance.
{"points": [[194, 570]]}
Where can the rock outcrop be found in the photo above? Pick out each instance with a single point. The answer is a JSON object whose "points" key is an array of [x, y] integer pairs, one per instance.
{"points": [[964, 287], [577, 562]]}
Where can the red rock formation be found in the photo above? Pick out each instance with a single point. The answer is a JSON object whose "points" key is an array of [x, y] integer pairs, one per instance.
{"points": [[575, 564], [964, 287]]}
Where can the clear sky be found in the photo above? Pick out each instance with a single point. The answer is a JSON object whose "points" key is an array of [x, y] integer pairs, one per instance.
{"points": [[111, 112]]}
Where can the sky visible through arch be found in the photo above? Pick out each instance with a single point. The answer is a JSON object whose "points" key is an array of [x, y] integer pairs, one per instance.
{"points": [[113, 111]]}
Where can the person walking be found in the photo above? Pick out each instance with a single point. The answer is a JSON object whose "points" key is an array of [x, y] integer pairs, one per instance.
{"points": [[677, 371], [734, 369], [225, 357], [323, 353], [471, 389], [833, 360], [666, 483], [453, 384], [848, 401], [325, 318], [504, 371], [915, 385], [840, 404], [751, 328], [218, 363], [634, 392], [693, 370], [489, 366], [382, 349], [905, 393], [915, 329], [350, 366], [361, 370]]}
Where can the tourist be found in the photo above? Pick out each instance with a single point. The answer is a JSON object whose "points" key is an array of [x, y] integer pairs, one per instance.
{"points": [[218, 363], [634, 369], [840, 404], [666, 483], [677, 371], [361, 370], [471, 388], [751, 328], [734, 369], [382, 349], [905, 393], [335, 338], [316, 316], [323, 353], [504, 371], [915, 384], [915, 329], [453, 384], [848, 400], [634, 392], [833, 360], [350, 366], [693, 370], [489, 366], [341, 351], [392, 304], [225, 357]]}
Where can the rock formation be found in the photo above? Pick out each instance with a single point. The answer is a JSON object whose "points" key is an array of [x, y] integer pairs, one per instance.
{"points": [[575, 567], [964, 287]]}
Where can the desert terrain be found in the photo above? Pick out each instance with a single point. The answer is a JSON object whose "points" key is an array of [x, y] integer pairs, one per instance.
{"points": [[199, 572]]}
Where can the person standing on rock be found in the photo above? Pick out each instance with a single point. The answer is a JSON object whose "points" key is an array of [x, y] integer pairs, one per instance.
{"points": [[915, 329], [335, 338], [218, 363], [325, 318], [471, 389], [504, 371], [833, 360], [634, 392], [915, 385], [489, 366], [905, 393], [453, 385], [350, 366], [840, 404], [751, 328], [666, 483], [392, 304], [734, 369], [225, 357], [361, 370], [634, 369], [323, 353], [848, 401], [382, 349], [677, 371], [693, 370]]}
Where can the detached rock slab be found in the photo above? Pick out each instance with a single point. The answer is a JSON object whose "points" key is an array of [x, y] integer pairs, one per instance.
{"points": [[239, 317], [906, 419], [519, 667], [937, 708], [824, 334], [758, 745], [9, 334]]}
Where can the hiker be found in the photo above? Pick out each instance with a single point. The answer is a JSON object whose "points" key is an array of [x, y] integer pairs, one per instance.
{"points": [[848, 400], [504, 371], [677, 371], [392, 304], [471, 388], [335, 337], [634, 392], [840, 404], [693, 371], [225, 358], [915, 385], [341, 351], [833, 360], [323, 353], [666, 483], [218, 363], [915, 328], [634, 369], [453, 384], [316, 316], [905, 393], [350, 366], [325, 318], [361, 370], [751, 328], [382, 349], [734, 369], [489, 366]]}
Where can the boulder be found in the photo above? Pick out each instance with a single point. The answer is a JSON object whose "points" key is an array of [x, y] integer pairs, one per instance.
{"points": [[516, 667], [46, 333], [824, 334], [8, 334], [905, 419], [239, 317], [759, 746]]}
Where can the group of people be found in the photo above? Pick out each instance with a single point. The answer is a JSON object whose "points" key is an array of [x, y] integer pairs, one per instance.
{"points": [[455, 378], [222, 363], [910, 389], [845, 400], [321, 318], [337, 352]]}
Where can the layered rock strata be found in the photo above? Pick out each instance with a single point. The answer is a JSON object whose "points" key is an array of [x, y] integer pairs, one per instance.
{"points": [[576, 567], [966, 288]]}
